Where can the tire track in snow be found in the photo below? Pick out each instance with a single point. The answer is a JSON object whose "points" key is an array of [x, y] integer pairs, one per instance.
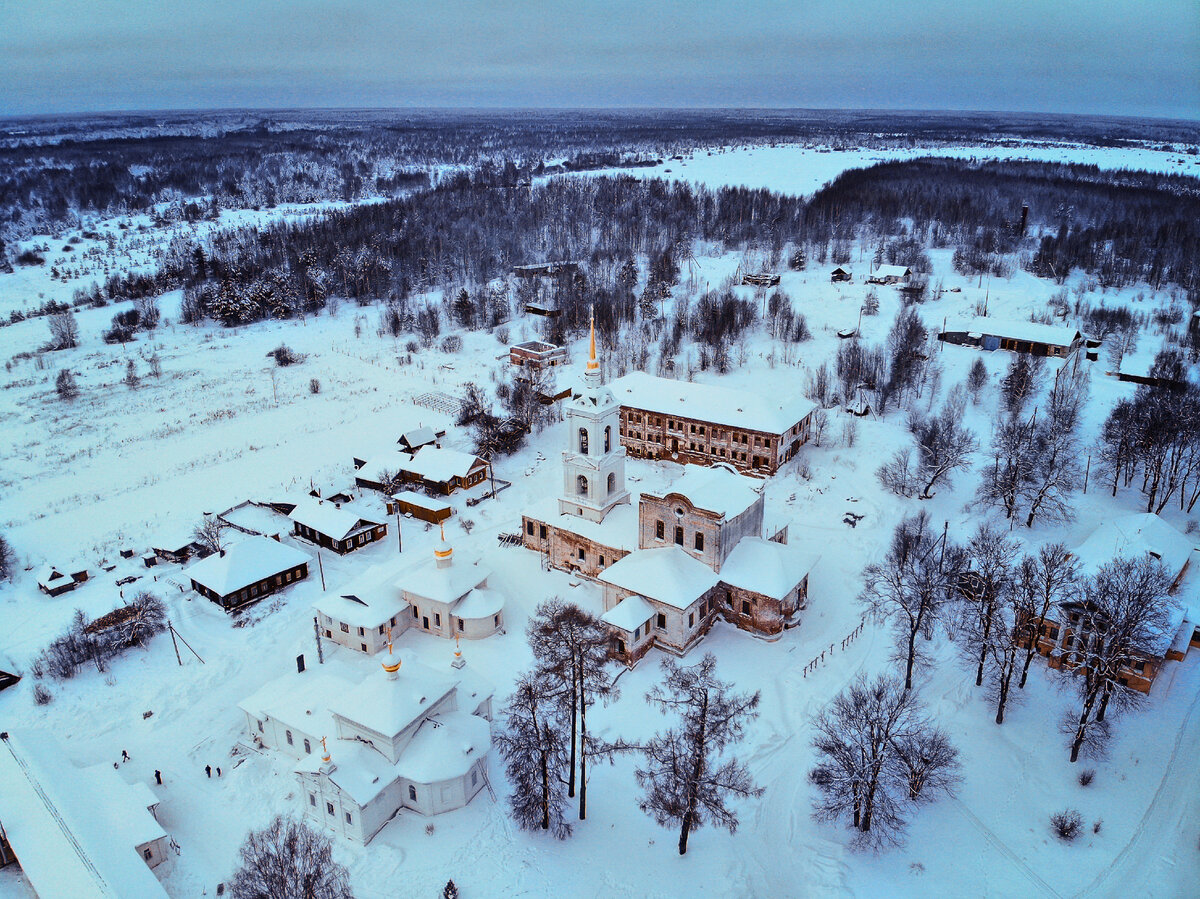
{"points": [[1000, 846], [1174, 777]]}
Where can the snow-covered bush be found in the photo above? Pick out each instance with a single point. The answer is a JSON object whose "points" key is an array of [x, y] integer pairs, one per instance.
{"points": [[1066, 824], [1086, 776], [42, 694]]}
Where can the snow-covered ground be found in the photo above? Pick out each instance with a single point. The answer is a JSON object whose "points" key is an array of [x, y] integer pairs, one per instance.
{"points": [[119, 467]]}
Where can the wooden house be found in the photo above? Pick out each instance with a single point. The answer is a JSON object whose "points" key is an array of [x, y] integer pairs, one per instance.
{"points": [[545, 269], [326, 524], [889, 274], [537, 354], [442, 470], [248, 571], [54, 582], [1015, 336], [841, 273], [425, 508]]}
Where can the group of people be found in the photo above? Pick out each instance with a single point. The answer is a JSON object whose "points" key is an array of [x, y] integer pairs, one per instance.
{"points": [[125, 757]]}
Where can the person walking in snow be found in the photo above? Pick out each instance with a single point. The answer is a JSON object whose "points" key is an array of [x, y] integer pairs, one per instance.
{"points": [[158, 777], [208, 770], [218, 772], [124, 756]]}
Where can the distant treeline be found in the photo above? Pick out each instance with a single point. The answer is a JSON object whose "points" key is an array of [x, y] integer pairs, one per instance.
{"points": [[54, 169]]}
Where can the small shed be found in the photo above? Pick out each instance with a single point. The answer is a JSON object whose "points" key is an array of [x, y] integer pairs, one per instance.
{"points": [[411, 441], [55, 581], [425, 508], [841, 273], [537, 354]]}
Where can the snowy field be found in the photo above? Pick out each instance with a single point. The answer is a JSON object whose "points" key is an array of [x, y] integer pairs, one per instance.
{"points": [[119, 467]]}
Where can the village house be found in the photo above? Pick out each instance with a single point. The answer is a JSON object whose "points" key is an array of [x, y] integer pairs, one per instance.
{"points": [[247, 571], [417, 505], [327, 524], [78, 832], [889, 274], [256, 519], [1015, 336], [689, 554], [841, 273], [537, 354], [54, 581], [442, 470], [706, 424], [1071, 626], [438, 596], [406, 737]]}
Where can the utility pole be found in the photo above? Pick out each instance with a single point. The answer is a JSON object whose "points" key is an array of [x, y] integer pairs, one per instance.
{"points": [[173, 643], [399, 539], [317, 630], [321, 568]]}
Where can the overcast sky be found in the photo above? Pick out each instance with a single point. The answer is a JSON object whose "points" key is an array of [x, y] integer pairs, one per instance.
{"points": [[1121, 57]]}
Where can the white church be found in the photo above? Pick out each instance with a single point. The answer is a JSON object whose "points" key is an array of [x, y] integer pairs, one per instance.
{"points": [[681, 559], [405, 737]]}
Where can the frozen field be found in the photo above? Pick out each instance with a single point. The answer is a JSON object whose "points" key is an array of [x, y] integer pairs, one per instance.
{"points": [[118, 468]]}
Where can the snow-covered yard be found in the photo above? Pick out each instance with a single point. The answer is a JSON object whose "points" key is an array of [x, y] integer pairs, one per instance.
{"points": [[119, 467]]}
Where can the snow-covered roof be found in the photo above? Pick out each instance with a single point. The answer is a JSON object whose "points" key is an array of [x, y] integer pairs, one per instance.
{"points": [[774, 414], [717, 489], [359, 769], [369, 600], [629, 614], [1133, 536], [618, 530], [245, 563], [391, 461], [51, 578], [890, 271], [1034, 332], [439, 464], [445, 746], [771, 569], [388, 706], [442, 584], [256, 518], [75, 833], [298, 700], [480, 603], [418, 436], [666, 574], [326, 518], [421, 501]]}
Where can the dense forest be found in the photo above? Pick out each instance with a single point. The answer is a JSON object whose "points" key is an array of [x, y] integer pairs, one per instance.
{"points": [[54, 169]]}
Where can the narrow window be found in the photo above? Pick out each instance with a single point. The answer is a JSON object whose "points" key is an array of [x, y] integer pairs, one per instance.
{"points": [[474, 778], [416, 614], [691, 619], [662, 621], [312, 800], [581, 554], [496, 620], [660, 530], [329, 807], [602, 561], [437, 619], [147, 854], [583, 441], [581, 485], [361, 632], [349, 820], [542, 532], [288, 734], [412, 792], [699, 540], [307, 747], [608, 439], [460, 624], [612, 484], [679, 535], [745, 608], [260, 727], [364, 646], [529, 528]]}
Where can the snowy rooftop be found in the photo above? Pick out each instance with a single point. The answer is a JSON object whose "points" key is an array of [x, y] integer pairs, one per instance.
{"points": [[717, 489], [890, 271], [774, 414], [1035, 332], [256, 518], [421, 501], [369, 600], [480, 603], [439, 464], [245, 563], [76, 833], [629, 614], [359, 769], [326, 518], [446, 584], [771, 569], [618, 529], [419, 436], [1134, 536], [666, 574], [445, 746], [299, 700], [388, 706]]}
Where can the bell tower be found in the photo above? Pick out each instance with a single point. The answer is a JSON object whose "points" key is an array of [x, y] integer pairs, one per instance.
{"points": [[594, 461]]}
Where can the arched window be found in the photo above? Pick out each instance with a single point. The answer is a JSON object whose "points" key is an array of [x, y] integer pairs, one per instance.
{"points": [[612, 484], [581, 485], [608, 439], [412, 792], [583, 441]]}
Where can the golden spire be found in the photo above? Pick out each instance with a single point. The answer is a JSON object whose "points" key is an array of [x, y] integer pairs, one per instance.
{"points": [[445, 550], [592, 365], [392, 663], [325, 750]]}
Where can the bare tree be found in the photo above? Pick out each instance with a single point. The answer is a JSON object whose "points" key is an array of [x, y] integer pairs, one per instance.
{"points": [[911, 586], [210, 533], [64, 331], [571, 649], [1042, 582], [989, 559], [289, 860], [1123, 617], [1011, 467], [7, 563], [686, 782], [977, 379], [535, 752], [943, 446], [65, 385], [878, 753]]}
